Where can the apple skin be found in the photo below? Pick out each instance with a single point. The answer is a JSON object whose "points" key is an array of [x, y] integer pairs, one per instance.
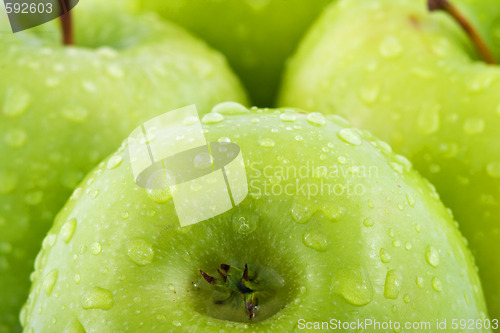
{"points": [[256, 36], [64, 109], [116, 256], [414, 79]]}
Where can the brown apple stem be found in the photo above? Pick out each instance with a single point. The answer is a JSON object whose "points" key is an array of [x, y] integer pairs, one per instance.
{"points": [[67, 25], [481, 46]]}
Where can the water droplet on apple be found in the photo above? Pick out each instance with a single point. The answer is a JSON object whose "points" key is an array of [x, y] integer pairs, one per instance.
{"points": [[171, 287], [299, 138], [493, 169], [408, 246], [224, 139], [266, 143], [353, 285], [115, 71], [74, 326], [244, 224], [393, 284], [437, 285], [67, 230], [333, 212], [396, 167], [95, 248], [8, 181], [473, 126], [396, 243], [140, 251], [158, 195], [212, 118], [288, 115], [89, 86], [125, 215], [315, 239], [76, 114], [420, 282], [176, 323], [94, 194], [368, 222], [230, 108], [316, 118], [97, 298], [369, 94], [385, 257], [410, 200], [16, 138], [428, 121], [114, 162], [301, 213], [50, 281], [33, 198], [390, 47], [16, 102], [350, 136], [77, 278], [432, 256]]}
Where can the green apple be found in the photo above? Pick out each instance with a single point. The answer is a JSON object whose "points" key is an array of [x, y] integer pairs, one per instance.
{"points": [[335, 226], [415, 79], [63, 109], [257, 36]]}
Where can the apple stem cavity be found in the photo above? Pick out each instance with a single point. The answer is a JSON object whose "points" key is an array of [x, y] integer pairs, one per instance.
{"points": [[445, 5], [67, 28]]}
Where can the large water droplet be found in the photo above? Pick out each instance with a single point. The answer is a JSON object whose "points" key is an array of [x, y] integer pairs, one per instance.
{"points": [[76, 114], [16, 138], [95, 248], [369, 94], [385, 257], [212, 118], [428, 120], [474, 126], [420, 282], [16, 102], [202, 161], [114, 162], [432, 256], [333, 212], [393, 284], [350, 136], [8, 181], [315, 239], [74, 326], [158, 195], [244, 223], [230, 108], [353, 285], [437, 285], [493, 169], [141, 252], [67, 230], [301, 212], [97, 298], [316, 118], [368, 222], [266, 143], [288, 115], [50, 281], [390, 47]]}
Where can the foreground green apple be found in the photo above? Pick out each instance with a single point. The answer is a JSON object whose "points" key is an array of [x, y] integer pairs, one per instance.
{"points": [[414, 79], [335, 226], [257, 36], [62, 109]]}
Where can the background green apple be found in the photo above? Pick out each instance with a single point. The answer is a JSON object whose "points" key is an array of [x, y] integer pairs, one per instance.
{"points": [[62, 109], [374, 242], [414, 78], [257, 36]]}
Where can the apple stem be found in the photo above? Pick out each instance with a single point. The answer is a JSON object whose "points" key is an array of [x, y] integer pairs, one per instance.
{"points": [[481, 46], [67, 28]]}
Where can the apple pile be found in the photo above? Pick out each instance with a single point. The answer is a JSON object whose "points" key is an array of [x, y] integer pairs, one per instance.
{"points": [[338, 227]]}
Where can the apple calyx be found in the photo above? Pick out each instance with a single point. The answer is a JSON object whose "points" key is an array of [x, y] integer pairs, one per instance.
{"points": [[445, 5], [235, 283]]}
